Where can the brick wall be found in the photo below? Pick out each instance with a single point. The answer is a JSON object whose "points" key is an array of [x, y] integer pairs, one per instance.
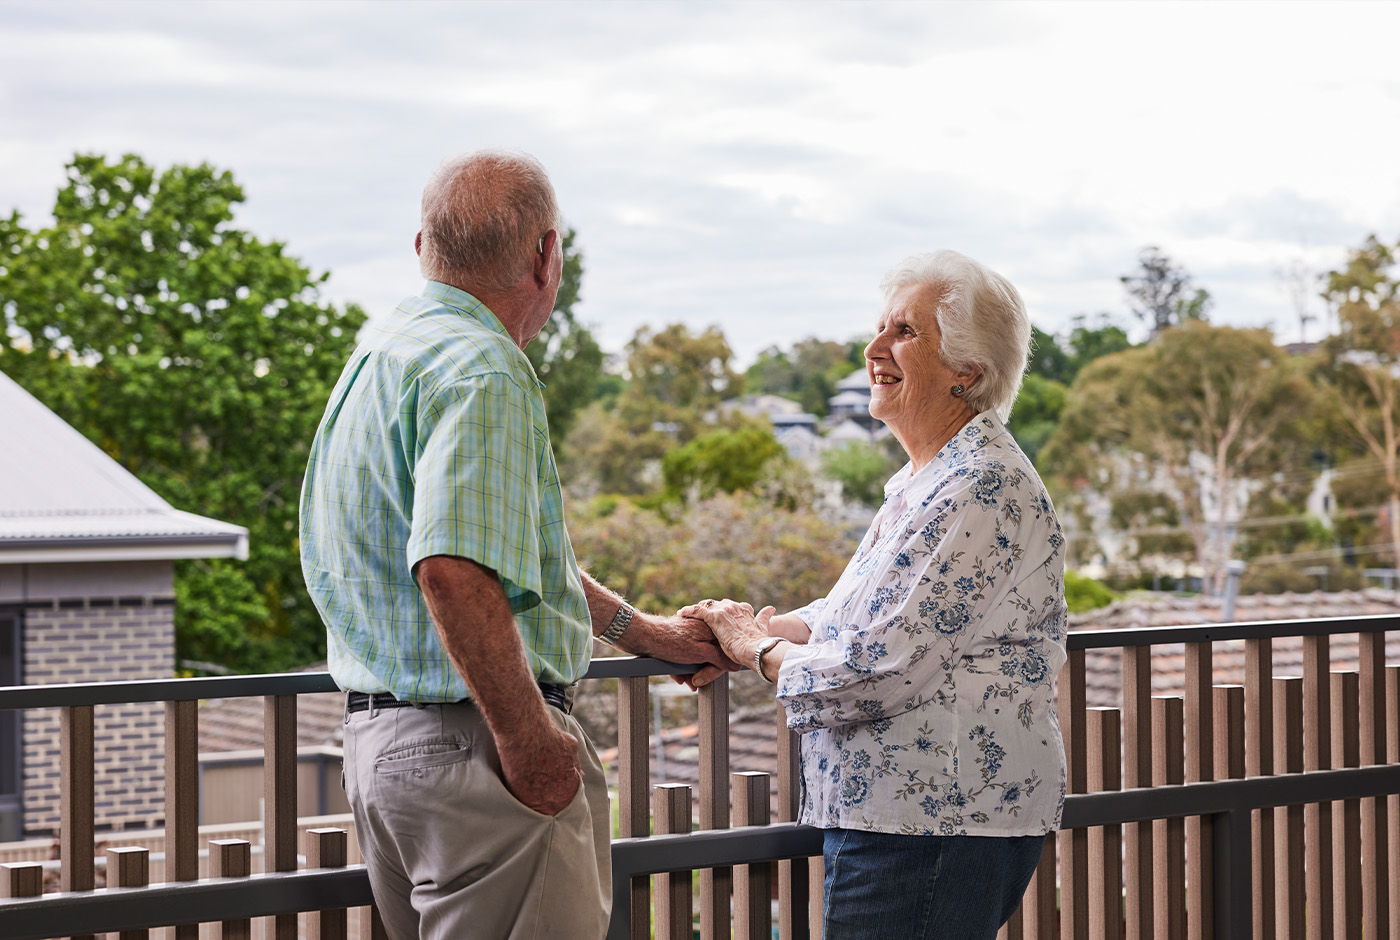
{"points": [[95, 639]]}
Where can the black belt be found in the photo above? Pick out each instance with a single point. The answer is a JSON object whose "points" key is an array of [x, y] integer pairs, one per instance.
{"points": [[560, 696]]}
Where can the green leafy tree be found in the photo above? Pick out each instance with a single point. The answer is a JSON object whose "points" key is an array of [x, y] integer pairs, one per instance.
{"points": [[1083, 593], [730, 545], [861, 469], [565, 355], [200, 358], [675, 382], [1161, 293], [1362, 364], [1037, 412], [1048, 359], [1052, 369], [722, 460], [1194, 415], [1087, 343]]}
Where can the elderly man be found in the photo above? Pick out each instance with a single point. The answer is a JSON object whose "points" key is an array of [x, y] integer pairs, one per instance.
{"points": [[457, 619]]}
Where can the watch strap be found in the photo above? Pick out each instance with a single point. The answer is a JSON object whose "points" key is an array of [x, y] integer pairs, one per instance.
{"points": [[762, 648], [620, 622]]}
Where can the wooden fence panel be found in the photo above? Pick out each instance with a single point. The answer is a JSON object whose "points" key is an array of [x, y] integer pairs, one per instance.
{"points": [[232, 858], [1289, 821], [1074, 843], [1137, 772], [1198, 756], [716, 884], [798, 904], [129, 866], [1258, 762], [1317, 755], [1346, 815], [1375, 864], [1392, 803], [671, 812], [1105, 842], [753, 884], [633, 780], [280, 797], [182, 799], [1168, 835]]}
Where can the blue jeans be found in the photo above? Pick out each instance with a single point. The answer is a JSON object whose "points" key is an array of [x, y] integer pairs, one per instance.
{"points": [[882, 885]]}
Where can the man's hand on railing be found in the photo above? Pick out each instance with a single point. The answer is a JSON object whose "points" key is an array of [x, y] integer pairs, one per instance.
{"points": [[544, 773], [680, 640]]}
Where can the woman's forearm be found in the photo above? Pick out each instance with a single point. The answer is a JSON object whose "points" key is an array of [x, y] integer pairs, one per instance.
{"points": [[790, 627]]}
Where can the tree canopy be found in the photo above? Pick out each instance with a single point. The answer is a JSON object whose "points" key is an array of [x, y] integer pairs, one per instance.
{"points": [[565, 355], [199, 357], [1196, 416], [1363, 364], [1161, 293]]}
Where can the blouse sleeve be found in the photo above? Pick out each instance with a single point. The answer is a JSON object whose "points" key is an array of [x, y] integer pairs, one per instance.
{"points": [[895, 646]]}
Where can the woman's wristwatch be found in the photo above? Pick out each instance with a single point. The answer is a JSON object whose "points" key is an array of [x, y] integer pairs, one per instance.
{"points": [[764, 645]]}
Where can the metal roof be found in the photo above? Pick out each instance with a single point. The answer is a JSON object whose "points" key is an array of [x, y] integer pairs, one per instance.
{"points": [[63, 499], [857, 381]]}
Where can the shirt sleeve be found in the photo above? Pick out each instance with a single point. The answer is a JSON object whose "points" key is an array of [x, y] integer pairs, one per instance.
{"points": [[475, 487], [811, 613], [898, 645]]}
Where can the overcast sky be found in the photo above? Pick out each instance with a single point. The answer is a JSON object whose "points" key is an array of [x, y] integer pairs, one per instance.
{"points": [[760, 165]]}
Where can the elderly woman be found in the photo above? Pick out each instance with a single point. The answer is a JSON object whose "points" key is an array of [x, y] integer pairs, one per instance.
{"points": [[922, 684]]}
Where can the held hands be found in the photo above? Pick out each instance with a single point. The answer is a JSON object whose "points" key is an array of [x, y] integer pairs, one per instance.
{"points": [[681, 640], [734, 624], [544, 772]]}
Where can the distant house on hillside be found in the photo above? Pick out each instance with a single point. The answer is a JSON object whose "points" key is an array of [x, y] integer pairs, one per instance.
{"points": [[87, 594]]}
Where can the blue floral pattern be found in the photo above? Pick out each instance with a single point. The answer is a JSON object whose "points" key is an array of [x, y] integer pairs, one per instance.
{"points": [[925, 696]]}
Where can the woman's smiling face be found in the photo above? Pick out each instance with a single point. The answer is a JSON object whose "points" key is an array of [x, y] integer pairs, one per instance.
{"points": [[909, 381]]}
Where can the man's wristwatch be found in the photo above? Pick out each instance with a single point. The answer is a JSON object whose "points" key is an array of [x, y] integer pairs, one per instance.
{"points": [[764, 645], [620, 622]]}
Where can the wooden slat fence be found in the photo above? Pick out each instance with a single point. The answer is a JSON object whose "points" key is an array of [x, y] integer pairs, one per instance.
{"points": [[1225, 812]]}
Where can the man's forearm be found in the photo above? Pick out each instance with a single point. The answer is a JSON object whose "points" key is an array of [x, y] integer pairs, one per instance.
{"points": [[603, 604], [478, 630]]}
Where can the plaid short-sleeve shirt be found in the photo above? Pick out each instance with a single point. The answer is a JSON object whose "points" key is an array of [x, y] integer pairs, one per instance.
{"points": [[435, 442]]}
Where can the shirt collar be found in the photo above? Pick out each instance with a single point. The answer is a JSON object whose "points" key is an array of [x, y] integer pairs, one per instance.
{"points": [[468, 306], [972, 437]]}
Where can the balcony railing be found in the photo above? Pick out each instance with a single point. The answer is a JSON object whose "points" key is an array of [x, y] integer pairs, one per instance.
{"points": [[1263, 810]]}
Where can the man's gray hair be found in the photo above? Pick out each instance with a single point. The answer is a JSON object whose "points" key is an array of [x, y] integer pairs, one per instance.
{"points": [[982, 321], [483, 215]]}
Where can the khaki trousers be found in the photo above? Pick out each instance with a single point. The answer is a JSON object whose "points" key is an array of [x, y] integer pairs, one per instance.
{"points": [[451, 854]]}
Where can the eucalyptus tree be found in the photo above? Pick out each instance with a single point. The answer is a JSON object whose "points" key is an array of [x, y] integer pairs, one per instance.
{"points": [[1178, 433]]}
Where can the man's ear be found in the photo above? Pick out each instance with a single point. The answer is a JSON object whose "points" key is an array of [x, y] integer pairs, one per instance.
{"points": [[544, 256], [418, 244]]}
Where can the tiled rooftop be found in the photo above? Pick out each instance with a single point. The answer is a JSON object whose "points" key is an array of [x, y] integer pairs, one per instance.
{"points": [[1103, 667]]}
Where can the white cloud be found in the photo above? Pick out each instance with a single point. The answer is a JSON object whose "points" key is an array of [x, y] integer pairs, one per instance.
{"points": [[754, 165]]}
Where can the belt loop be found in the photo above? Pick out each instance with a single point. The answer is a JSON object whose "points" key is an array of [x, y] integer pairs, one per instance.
{"points": [[372, 710]]}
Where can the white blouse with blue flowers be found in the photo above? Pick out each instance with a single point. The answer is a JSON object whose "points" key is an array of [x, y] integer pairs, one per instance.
{"points": [[925, 696]]}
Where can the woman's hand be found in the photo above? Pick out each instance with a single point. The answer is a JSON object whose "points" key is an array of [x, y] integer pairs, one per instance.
{"points": [[734, 624]]}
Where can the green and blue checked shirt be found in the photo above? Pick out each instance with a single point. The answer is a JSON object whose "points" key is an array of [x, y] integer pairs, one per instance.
{"points": [[435, 442]]}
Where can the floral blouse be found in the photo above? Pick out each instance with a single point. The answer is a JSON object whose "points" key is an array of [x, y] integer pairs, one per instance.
{"points": [[925, 696]]}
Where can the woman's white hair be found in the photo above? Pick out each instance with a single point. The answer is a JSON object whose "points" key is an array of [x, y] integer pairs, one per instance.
{"points": [[483, 215], [982, 321]]}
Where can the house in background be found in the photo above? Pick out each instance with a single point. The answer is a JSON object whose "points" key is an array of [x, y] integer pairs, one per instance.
{"points": [[87, 594]]}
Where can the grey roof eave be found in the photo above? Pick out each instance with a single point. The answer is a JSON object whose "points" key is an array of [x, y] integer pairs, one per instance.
{"points": [[38, 550]]}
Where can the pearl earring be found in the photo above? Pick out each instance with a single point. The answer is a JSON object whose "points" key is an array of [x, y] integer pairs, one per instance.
{"points": [[957, 390]]}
